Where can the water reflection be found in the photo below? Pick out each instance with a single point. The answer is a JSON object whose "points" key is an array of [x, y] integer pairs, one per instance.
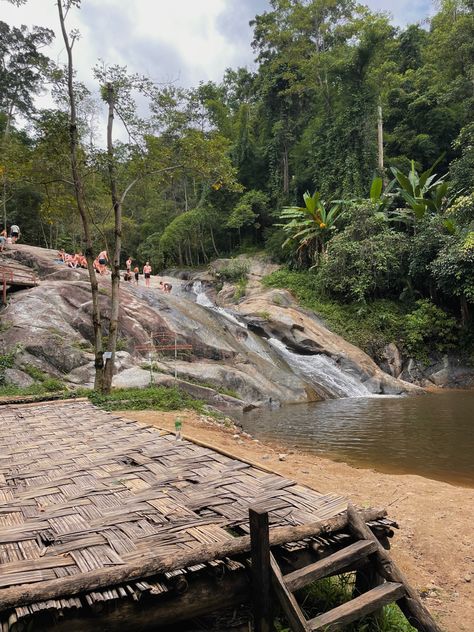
{"points": [[430, 435]]}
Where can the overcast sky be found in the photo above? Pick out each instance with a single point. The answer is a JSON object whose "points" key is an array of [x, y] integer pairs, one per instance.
{"points": [[186, 41]]}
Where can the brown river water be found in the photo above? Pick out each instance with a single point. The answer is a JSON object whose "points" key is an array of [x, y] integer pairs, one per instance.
{"points": [[430, 435]]}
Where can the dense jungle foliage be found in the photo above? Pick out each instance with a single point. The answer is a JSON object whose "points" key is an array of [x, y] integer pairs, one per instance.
{"points": [[224, 167]]}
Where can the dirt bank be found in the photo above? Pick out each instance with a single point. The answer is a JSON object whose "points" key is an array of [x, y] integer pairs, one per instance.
{"points": [[435, 543]]}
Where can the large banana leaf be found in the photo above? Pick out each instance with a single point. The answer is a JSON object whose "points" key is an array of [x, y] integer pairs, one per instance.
{"points": [[376, 189]]}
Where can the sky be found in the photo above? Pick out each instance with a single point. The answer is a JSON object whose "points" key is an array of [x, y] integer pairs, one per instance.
{"points": [[184, 41]]}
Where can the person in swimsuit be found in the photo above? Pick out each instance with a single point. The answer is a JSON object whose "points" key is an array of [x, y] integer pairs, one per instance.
{"points": [[147, 273], [136, 272], [102, 259], [128, 265]]}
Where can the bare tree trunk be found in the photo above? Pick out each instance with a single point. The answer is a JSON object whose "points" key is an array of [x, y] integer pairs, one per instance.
{"points": [[81, 205], [380, 157], [214, 242], [185, 196], [117, 206], [286, 173], [4, 202]]}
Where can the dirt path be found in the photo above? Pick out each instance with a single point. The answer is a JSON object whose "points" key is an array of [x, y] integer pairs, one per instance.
{"points": [[435, 543]]}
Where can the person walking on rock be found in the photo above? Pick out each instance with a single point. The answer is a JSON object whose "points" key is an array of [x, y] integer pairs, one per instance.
{"points": [[147, 273]]}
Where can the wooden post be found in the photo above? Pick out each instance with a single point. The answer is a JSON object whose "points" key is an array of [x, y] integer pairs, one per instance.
{"points": [[261, 581], [411, 606]]}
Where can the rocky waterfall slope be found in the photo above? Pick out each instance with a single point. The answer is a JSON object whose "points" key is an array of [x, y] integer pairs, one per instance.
{"points": [[266, 350]]}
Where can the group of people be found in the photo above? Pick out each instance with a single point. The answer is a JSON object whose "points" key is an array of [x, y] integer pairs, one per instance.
{"points": [[9, 237], [78, 260], [165, 287]]}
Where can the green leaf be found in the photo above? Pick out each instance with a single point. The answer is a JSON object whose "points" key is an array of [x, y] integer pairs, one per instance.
{"points": [[376, 189]]}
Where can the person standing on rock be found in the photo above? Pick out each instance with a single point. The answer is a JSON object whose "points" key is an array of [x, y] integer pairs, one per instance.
{"points": [[147, 273], [128, 265], [136, 272], [3, 239]]}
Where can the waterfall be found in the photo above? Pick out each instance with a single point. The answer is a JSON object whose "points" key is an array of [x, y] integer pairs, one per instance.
{"points": [[318, 370], [250, 340], [322, 372], [203, 299]]}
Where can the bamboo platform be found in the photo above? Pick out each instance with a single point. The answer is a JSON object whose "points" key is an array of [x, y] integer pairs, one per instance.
{"points": [[83, 490]]}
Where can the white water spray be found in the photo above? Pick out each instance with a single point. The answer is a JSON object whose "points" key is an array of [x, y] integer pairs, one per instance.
{"points": [[322, 372]]}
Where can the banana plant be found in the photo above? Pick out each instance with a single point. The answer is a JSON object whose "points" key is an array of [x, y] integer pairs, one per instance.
{"points": [[310, 226], [425, 192]]}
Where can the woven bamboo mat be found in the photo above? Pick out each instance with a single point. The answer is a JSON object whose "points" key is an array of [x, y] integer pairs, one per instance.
{"points": [[82, 489]]}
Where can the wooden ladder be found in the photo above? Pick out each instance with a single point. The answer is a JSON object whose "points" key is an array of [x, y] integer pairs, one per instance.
{"points": [[366, 551]]}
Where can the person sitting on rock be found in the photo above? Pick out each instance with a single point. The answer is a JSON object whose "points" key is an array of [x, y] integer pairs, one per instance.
{"points": [[14, 233]]}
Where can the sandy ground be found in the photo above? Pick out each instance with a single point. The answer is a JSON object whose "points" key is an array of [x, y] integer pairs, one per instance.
{"points": [[435, 543]]}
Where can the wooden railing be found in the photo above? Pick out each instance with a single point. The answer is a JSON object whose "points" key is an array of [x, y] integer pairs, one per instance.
{"points": [[15, 275]]}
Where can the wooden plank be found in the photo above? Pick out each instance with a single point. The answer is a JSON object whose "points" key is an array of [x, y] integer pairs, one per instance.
{"points": [[287, 600], [411, 606], [359, 607], [329, 565], [261, 582]]}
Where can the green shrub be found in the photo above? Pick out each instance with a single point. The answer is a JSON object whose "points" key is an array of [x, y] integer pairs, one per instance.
{"points": [[429, 328], [241, 286], [234, 271], [417, 328], [7, 361], [364, 261]]}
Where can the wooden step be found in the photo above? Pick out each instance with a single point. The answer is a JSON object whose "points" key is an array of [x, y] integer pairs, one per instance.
{"points": [[357, 608], [329, 565]]}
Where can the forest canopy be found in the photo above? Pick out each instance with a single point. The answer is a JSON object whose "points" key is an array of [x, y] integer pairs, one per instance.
{"points": [[375, 120]]}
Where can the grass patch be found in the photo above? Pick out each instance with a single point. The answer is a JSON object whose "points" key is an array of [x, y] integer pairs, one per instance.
{"points": [[47, 387], [149, 398], [83, 345], [331, 592], [34, 372]]}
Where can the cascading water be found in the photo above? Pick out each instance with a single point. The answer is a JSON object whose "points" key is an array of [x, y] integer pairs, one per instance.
{"points": [[203, 299], [318, 370], [322, 372], [250, 340]]}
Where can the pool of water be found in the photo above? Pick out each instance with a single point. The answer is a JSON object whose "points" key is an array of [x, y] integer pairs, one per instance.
{"points": [[431, 435]]}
